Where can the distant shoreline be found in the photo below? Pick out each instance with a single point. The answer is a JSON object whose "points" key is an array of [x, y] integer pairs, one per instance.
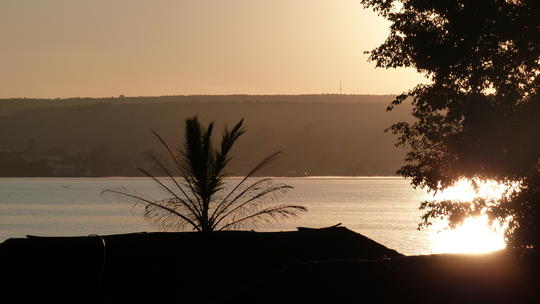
{"points": [[236, 176], [123, 97]]}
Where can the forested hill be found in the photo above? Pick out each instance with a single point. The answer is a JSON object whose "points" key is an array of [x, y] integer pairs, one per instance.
{"points": [[319, 134]]}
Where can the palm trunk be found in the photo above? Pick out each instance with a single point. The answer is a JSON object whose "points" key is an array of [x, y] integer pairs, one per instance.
{"points": [[205, 223]]}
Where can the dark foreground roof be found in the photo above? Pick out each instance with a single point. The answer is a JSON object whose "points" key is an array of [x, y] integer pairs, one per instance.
{"points": [[180, 266], [332, 265]]}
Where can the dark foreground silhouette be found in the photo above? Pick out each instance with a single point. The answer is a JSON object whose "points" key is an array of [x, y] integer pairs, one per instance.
{"points": [[309, 265]]}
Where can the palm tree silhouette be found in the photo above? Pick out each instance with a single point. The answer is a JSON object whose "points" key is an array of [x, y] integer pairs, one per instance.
{"points": [[200, 198]]}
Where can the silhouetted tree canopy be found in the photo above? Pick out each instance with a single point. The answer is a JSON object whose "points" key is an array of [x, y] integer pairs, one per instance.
{"points": [[478, 117]]}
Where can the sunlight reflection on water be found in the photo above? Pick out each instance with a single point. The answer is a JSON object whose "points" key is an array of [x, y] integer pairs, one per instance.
{"points": [[475, 235]]}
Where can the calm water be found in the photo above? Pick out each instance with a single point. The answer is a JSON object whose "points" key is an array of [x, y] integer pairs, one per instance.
{"points": [[383, 209]]}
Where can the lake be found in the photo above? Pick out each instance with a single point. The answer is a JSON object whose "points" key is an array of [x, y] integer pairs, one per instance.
{"points": [[384, 209]]}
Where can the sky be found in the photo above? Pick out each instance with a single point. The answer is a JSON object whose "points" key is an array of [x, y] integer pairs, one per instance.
{"points": [[103, 48]]}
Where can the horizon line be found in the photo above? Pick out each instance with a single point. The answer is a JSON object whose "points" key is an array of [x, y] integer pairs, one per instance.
{"points": [[122, 96]]}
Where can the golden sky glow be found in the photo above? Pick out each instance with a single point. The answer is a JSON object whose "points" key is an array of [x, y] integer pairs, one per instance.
{"points": [[62, 48]]}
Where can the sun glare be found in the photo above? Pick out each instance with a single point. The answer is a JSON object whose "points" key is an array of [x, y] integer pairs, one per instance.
{"points": [[464, 191], [475, 235]]}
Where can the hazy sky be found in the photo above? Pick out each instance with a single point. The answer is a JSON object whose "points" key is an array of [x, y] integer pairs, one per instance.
{"points": [[65, 48]]}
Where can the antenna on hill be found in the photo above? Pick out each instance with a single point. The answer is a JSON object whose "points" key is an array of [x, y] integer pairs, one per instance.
{"points": [[340, 87]]}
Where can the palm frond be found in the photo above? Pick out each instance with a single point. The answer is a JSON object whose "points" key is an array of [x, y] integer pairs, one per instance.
{"points": [[257, 198], [224, 205], [253, 171], [189, 199], [222, 156], [157, 215], [192, 162], [191, 209], [267, 214], [156, 205], [167, 147], [227, 141], [178, 164]]}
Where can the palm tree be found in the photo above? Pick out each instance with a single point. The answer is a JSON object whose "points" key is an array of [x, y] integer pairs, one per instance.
{"points": [[200, 198]]}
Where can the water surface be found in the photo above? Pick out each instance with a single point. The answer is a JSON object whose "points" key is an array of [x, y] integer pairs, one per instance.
{"points": [[384, 209]]}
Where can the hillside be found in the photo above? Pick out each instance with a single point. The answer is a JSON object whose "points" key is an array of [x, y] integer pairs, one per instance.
{"points": [[319, 134]]}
